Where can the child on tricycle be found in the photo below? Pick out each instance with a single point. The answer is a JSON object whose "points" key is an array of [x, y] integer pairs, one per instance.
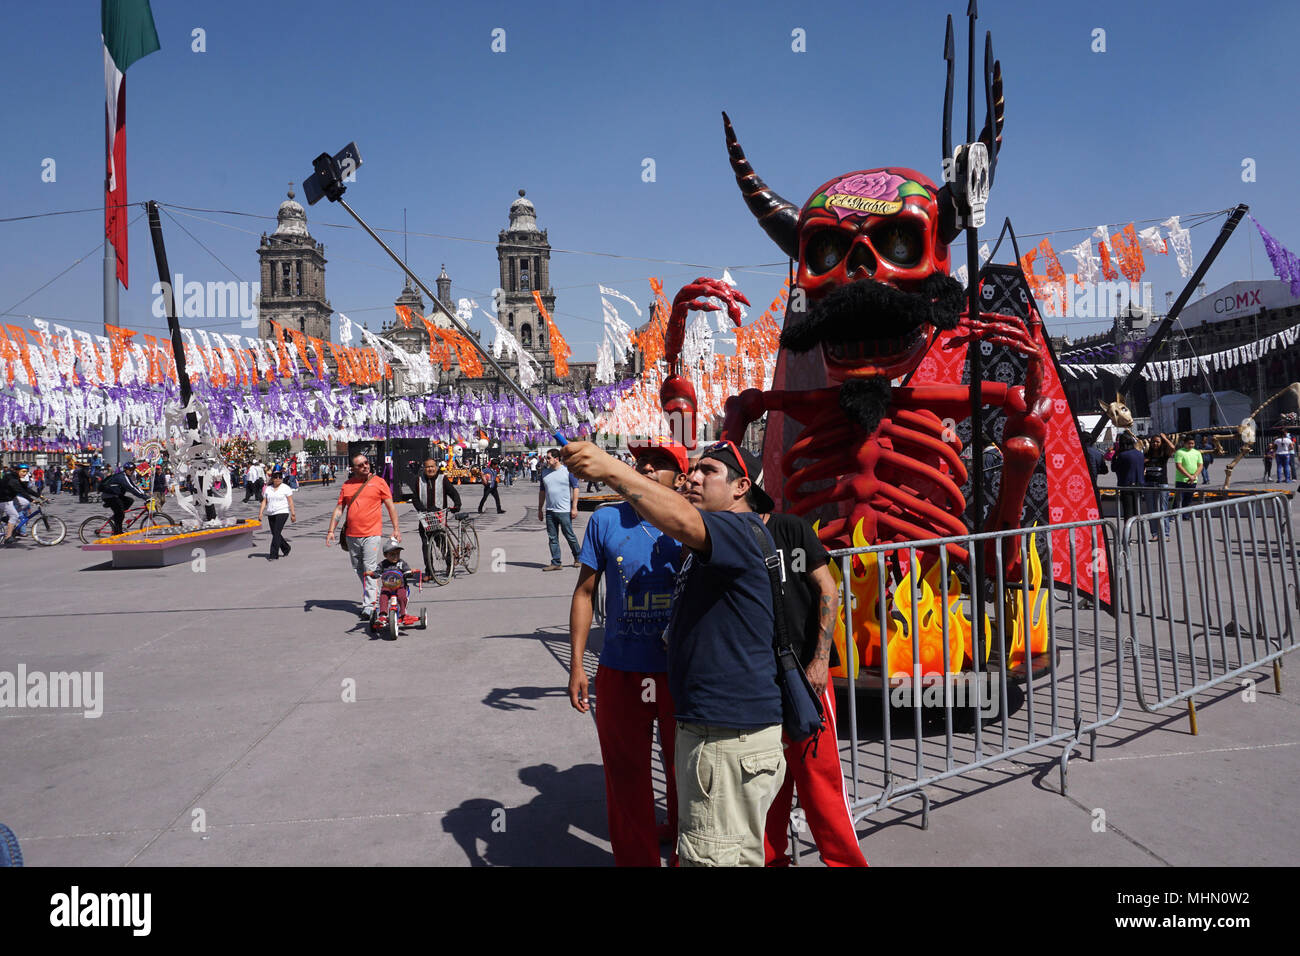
{"points": [[394, 576]]}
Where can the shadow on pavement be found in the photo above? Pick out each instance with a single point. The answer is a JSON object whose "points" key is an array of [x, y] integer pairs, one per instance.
{"points": [[503, 698], [555, 828], [348, 607], [105, 566]]}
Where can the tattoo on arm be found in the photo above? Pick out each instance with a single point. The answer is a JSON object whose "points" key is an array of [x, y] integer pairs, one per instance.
{"points": [[825, 627], [631, 497]]}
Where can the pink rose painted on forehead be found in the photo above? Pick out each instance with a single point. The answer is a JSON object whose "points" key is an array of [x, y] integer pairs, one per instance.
{"points": [[869, 185], [882, 186]]}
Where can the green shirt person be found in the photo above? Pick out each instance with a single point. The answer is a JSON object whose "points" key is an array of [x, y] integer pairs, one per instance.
{"points": [[1187, 462]]}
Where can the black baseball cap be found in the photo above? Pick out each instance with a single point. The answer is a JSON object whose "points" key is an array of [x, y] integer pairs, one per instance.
{"points": [[748, 464]]}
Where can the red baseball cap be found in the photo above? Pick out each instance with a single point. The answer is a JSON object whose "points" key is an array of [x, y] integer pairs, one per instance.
{"points": [[676, 449]]}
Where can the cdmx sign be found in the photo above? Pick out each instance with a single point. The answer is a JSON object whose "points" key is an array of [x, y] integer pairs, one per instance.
{"points": [[1242, 300]]}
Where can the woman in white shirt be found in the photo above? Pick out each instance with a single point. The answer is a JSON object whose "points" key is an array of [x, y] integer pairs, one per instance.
{"points": [[277, 505]]}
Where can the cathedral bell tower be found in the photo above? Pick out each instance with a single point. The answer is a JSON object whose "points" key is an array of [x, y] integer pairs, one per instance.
{"points": [[293, 276], [524, 256]]}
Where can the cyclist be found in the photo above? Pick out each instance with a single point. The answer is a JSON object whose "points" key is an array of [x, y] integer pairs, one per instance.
{"points": [[15, 495], [431, 493], [116, 491]]}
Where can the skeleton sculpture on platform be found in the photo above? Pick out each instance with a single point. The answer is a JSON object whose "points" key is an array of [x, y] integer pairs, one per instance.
{"points": [[197, 458], [873, 262]]}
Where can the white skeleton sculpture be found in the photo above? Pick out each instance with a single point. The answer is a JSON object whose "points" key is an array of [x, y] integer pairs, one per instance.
{"points": [[195, 457]]}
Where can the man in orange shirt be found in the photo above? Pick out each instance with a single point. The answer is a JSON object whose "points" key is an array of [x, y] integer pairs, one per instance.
{"points": [[365, 527]]}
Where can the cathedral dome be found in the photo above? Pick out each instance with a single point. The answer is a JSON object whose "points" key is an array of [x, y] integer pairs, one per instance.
{"points": [[523, 216], [293, 219]]}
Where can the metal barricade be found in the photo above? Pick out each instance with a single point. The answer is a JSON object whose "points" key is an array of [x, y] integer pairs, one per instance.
{"points": [[1211, 594], [1042, 698]]}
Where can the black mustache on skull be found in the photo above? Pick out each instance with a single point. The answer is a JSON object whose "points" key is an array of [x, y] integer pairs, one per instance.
{"points": [[867, 309]]}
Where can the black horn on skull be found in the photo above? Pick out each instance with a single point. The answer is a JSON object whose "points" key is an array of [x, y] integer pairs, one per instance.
{"points": [[778, 216]]}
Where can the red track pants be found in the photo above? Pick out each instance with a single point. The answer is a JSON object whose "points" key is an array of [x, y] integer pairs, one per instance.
{"points": [[627, 704], [822, 797]]}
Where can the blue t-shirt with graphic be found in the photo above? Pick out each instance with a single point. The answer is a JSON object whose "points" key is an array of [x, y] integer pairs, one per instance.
{"points": [[721, 665], [639, 563]]}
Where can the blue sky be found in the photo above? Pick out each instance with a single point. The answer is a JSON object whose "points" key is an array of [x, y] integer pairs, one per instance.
{"points": [[1157, 125]]}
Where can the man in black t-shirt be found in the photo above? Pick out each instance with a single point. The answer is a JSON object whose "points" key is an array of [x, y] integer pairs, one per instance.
{"points": [[721, 664], [812, 604]]}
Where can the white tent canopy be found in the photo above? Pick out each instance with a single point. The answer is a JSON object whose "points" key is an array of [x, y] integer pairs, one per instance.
{"points": [[1226, 408]]}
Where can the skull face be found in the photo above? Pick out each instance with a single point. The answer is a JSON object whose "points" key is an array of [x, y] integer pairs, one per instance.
{"points": [[878, 224], [872, 248]]}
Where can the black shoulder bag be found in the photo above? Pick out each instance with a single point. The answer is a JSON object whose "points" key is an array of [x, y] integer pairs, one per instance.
{"points": [[801, 709]]}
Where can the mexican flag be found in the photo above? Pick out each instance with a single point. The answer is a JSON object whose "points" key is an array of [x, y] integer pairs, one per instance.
{"points": [[128, 32]]}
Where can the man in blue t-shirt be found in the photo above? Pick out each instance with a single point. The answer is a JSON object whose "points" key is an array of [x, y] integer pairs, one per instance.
{"points": [[721, 664], [639, 564], [557, 504]]}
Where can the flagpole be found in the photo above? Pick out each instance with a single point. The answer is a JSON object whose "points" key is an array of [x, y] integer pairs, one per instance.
{"points": [[112, 433]]}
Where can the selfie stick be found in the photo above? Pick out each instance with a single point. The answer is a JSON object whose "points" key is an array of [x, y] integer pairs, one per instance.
{"points": [[334, 192]]}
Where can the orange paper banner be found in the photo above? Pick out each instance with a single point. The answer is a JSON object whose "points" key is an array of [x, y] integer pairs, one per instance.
{"points": [[1129, 253], [560, 350]]}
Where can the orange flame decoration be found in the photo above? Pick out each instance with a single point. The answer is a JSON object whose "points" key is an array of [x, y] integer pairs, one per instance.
{"points": [[1036, 613], [864, 587]]}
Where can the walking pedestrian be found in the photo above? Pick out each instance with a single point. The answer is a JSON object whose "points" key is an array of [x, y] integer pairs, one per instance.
{"points": [[557, 505], [82, 481], [158, 486], [1266, 453], [721, 665], [364, 496], [277, 505], [1207, 459], [639, 564], [490, 488]]}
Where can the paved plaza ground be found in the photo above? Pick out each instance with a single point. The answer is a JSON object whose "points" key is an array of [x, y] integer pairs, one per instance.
{"points": [[224, 705]]}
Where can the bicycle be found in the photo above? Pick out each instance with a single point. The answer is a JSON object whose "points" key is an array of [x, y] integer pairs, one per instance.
{"points": [[46, 530], [447, 546], [146, 515]]}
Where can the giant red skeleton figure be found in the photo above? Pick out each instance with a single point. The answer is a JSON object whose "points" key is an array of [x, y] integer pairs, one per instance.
{"points": [[873, 262]]}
